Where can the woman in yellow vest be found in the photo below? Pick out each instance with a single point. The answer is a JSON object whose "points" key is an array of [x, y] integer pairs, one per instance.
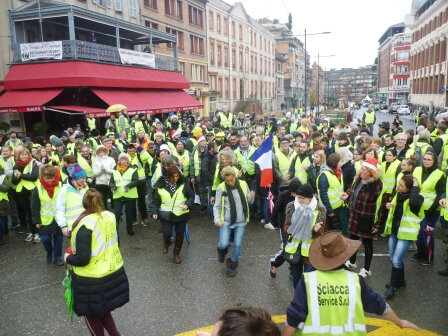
{"points": [[43, 210], [25, 175], [4, 206], [432, 183], [183, 156], [402, 226], [317, 308], [173, 198], [99, 284], [231, 211], [123, 184], [305, 220]]}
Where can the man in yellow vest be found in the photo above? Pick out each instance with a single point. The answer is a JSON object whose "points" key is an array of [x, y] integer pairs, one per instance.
{"points": [[85, 160], [333, 300], [225, 118], [369, 118], [13, 141], [90, 124], [285, 155], [123, 124], [301, 162]]}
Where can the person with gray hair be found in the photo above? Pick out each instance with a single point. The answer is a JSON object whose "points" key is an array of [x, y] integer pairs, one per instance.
{"points": [[402, 147]]}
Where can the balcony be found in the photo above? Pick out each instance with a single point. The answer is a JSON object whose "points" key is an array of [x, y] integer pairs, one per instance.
{"points": [[400, 88], [95, 52], [401, 73]]}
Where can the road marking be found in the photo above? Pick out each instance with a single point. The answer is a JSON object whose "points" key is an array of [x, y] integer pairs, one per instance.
{"points": [[384, 327]]}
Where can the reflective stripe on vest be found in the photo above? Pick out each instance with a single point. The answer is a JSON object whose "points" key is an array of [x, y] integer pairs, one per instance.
{"points": [[225, 121], [28, 185], [335, 189], [284, 162], [122, 181], [247, 166], [244, 188], [370, 118], [299, 170], [73, 204], [173, 203], [428, 188], [444, 165], [389, 176], [409, 222], [47, 205], [85, 165], [105, 256], [135, 161], [334, 304]]}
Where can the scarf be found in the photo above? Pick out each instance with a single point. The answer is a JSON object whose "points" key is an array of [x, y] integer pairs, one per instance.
{"points": [[302, 220], [85, 213], [49, 187], [23, 164], [232, 201], [337, 172], [122, 168]]}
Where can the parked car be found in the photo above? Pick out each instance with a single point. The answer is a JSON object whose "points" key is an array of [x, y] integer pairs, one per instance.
{"points": [[403, 109], [393, 108], [443, 113], [383, 107]]}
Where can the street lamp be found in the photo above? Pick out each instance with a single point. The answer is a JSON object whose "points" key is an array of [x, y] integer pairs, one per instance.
{"points": [[321, 33], [318, 93]]}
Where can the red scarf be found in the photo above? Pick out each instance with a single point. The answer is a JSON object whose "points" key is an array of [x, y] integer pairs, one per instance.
{"points": [[49, 187], [23, 164], [337, 172]]}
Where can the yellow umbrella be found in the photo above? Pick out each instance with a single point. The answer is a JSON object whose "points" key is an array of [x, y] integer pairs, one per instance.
{"points": [[116, 108]]}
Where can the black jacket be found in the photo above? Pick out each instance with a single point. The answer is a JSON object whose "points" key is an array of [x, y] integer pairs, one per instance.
{"points": [[348, 174], [28, 177], [134, 180], [279, 213], [208, 167], [313, 173], [95, 296]]}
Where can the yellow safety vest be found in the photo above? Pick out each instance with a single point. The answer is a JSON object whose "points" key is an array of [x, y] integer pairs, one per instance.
{"points": [[140, 163], [91, 122], [173, 203], [335, 189], [293, 244], [127, 126], [105, 256], [244, 188], [299, 170], [47, 205], [358, 165], [444, 164], [122, 181], [409, 222], [28, 185], [186, 163], [389, 176], [284, 162], [247, 166], [196, 161], [85, 165], [370, 118], [73, 204], [334, 304], [226, 121], [3, 195], [428, 188]]}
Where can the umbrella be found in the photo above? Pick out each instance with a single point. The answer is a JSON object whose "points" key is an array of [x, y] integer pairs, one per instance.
{"points": [[116, 108], [68, 295], [270, 197]]}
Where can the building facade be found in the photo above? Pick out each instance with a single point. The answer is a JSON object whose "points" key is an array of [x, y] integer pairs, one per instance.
{"points": [[429, 54], [241, 60], [317, 85]]}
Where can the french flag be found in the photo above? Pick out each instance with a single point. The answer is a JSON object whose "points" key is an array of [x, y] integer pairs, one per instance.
{"points": [[263, 156]]}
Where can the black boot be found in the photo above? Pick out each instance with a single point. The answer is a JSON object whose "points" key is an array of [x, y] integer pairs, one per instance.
{"points": [[222, 254], [231, 268], [390, 292]]}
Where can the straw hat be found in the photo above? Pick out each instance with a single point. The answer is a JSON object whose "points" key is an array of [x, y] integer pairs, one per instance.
{"points": [[331, 250]]}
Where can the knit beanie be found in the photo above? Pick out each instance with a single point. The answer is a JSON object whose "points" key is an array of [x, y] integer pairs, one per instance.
{"points": [[77, 172]]}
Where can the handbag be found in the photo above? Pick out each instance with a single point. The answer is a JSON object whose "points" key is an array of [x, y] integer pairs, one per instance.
{"points": [[296, 257]]}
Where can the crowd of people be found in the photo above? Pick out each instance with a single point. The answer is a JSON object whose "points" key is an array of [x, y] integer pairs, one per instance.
{"points": [[327, 177]]}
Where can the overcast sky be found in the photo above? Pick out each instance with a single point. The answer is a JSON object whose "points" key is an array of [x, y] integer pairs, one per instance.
{"points": [[355, 25]]}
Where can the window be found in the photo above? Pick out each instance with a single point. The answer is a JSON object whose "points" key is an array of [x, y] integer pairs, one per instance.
{"points": [[197, 73], [226, 27], [226, 57], [218, 56], [118, 6], [174, 8], [212, 54], [210, 20], [180, 38], [218, 23], [233, 29], [241, 32], [233, 59], [195, 16], [98, 2], [109, 3], [196, 45], [227, 87], [133, 8], [182, 68], [151, 4], [241, 60]]}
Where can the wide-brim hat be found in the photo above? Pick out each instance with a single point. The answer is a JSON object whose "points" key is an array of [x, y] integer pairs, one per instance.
{"points": [[331, 250]]}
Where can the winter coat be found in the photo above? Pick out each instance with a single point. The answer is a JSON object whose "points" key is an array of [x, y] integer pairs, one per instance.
{"points": [[348, 174], [313, 173], [95, 296], [362, 209], [33, 177], [51, 229], [279, 213], [103, 167], [208, 167]]}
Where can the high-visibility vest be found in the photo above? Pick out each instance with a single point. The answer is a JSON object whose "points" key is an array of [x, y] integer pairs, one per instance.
{"points": [[85, 165], [226, 121], [293, 244], [268, 129], [139, 161], [138, 126], [444, 138], [334, 304], [196, 162], [335, 189], [127, 126], [3, 194], [94, 142], [186, 163], [217, 177], [73, 204], [247, 165], [244, 188], [173, 204], [70, 148], [358, 165], [194, 141], [444, 211], [299, 170], [292, 128], [91, 122], [122, 181], [47, 204], [105, 256], [434, 134], [389, 176], [370, 118], [428, 188], [284, 162], [444, 164], [28, 185], [3, 162], [409, 222]]}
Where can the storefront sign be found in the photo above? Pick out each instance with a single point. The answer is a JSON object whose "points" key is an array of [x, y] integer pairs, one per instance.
{"points": [[135, 57], [41, 50]]}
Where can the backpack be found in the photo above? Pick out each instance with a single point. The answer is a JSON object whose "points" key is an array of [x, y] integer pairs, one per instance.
{"points": [[418, 155]]}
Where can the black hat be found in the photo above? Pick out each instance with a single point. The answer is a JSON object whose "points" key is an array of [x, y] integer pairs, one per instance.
{"points": [[384, 124], [294, 185], [305, 190], [283, 139], [364, 130]]}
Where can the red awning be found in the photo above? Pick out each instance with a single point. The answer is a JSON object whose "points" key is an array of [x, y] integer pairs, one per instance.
{"points": [[82, 74], [76, 108], [149, 101], [26, 100]]}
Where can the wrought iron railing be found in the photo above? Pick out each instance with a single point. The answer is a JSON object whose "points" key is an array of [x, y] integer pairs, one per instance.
{"points": [[88, 51]]}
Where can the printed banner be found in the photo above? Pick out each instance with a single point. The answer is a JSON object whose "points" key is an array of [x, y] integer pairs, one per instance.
{"points": [[41, 50], [135, 57]]}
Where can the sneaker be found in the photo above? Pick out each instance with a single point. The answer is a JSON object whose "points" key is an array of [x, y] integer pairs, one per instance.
{"points": [[36, 239], [269, 226], [427, 263], [364, 273], [382, 235], [350, 266], [29, 237], [263, 221], [416, 257]]}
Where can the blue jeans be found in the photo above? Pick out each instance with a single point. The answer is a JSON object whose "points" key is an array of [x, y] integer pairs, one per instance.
{"points": [[210, 206], [397, 250], [265, 210], [53, 244], [297, 270], [224, 235]]}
